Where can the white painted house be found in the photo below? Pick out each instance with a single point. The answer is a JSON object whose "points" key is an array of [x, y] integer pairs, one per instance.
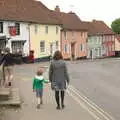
{"points": [[15, 35]]}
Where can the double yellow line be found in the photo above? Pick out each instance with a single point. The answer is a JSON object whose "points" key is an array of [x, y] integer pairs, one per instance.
{"points": [[96, 112]]}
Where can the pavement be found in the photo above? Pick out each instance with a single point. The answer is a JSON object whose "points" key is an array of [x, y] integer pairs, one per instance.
{"points": [[28, 111], [48, 111]]}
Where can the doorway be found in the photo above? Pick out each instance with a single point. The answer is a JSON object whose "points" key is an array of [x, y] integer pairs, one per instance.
{"points": [[91, 54], [73, 51]]}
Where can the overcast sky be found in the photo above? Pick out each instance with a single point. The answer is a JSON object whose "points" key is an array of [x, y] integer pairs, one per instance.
{"points": [[106, 10]]}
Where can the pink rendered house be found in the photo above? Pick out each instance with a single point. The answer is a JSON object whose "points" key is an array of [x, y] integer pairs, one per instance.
{"points": [[73, 35]]}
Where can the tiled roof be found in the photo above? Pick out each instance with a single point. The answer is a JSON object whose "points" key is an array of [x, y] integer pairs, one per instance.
{"points": [[25, 10], [98, 27], [69, 21]]}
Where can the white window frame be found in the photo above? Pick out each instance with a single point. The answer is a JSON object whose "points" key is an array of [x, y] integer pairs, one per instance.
{"points": [[46, 29], [65, 35], [42, 49], [57, 45], [82, 47], [18, 28], [17, 47], [57, 30], [90, 40], [66, 48], [36, 28]]}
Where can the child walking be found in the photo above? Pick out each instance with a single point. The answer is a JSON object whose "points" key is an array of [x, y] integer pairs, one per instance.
{"points": [[38, 86]]}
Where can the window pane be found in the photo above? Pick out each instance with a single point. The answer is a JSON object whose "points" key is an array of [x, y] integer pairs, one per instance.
{"points": [[46, 29], [1, 27], [65, 35], [113, 47], [17, 25], [17, 47], [36, 29], [66, 48], [56, 30], [42, 46], [56, 45], [81, 47]]}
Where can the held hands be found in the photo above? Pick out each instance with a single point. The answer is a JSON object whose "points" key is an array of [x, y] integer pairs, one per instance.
{"points": [[47, 81], [33, 90]]}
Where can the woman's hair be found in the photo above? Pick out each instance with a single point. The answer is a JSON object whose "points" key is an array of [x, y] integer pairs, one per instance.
{"points": [[57, 55]]}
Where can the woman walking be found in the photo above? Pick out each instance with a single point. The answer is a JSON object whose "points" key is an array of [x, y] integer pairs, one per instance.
{"points": [[58, 77]]}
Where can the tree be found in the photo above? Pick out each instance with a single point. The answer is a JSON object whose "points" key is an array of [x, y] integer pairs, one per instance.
{"points": [[116, 26]]}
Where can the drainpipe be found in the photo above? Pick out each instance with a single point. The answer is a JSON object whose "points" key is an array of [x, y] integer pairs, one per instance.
{"points": [[29, 37], [61, 42]]}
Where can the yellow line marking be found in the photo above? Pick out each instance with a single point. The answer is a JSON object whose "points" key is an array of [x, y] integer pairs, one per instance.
{"points": [[83, 106], [90, 103]]}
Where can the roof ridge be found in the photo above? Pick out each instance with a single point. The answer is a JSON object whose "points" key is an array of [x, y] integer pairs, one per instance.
{"points": [[25, 10], [98, 27]]}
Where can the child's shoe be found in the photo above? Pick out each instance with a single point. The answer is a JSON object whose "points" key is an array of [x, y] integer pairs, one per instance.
{"points": [[38, 106], [58, 107], [41, 102], [63, 106], [9, 84]]}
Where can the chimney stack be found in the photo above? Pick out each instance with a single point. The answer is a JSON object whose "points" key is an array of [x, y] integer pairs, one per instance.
{"points": [[94, 20], [57, 9]]}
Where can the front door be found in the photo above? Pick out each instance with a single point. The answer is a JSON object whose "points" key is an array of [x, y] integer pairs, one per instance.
{"points": [[91, 54], [73, 51]]}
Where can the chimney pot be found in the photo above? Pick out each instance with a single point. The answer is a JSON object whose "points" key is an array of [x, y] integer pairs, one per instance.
{"points": [[57, 9], [94, 20]]}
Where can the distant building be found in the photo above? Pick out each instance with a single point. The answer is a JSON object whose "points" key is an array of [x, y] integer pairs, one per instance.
{"points": [[117, 45], [14, 35], [101, 40]]}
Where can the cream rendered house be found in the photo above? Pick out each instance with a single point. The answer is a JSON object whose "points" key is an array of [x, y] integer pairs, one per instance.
{"points": [[44, 40], [44, 31]]}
